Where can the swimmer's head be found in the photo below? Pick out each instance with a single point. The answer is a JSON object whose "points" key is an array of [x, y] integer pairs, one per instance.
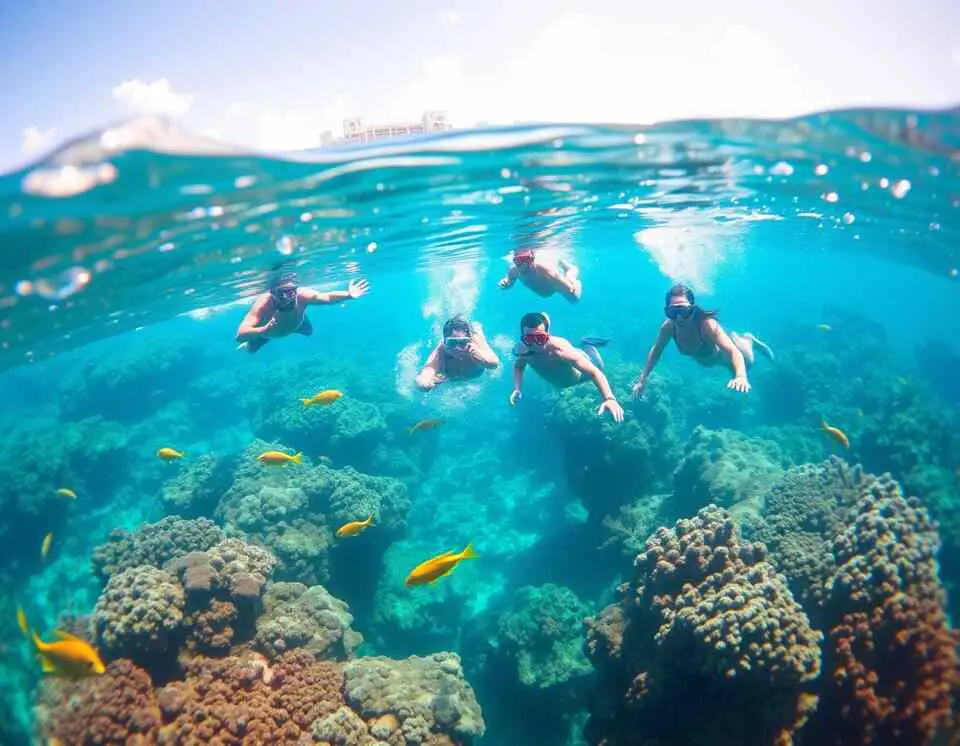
{"points": [[524, 257], [535, 329], [283, 289], [457, 333], [680, 305]]}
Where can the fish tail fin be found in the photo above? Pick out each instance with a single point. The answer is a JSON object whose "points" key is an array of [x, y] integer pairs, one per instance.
{"points": [[468, 553], [46, 665], [306, 402], [22, 622], [298, 458], [369, 519]]}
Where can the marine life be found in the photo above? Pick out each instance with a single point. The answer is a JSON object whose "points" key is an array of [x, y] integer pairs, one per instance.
{"points": [[278, 458], [824, 327], [170, 454], [324, 398], [45, 547], [836, 433], [354, 527], [428, 424], [69, 657], [437, 567], [65, 492], [325, 460]]}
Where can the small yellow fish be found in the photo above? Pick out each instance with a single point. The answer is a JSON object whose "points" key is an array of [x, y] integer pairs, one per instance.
{"points": [[275, 458], [354, 527], [437, 567], [69, 656], [64, 492], [825, 327], [324, 398], [169, 454], [45, 547], [427, 424], [836, 433]]}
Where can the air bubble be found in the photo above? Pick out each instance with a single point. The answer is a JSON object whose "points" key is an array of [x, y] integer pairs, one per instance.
{"points": [[848, 218], [831, 197], [285, 245], [822, 169], [781, 168], [900, 188]]}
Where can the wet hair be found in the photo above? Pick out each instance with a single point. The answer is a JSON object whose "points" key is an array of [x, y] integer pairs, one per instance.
{"points": [[680, 289], [279, 279], [533, 320], [455, 324]]}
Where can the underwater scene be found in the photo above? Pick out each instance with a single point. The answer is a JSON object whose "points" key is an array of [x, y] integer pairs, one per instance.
{"points": [[523, 436]]}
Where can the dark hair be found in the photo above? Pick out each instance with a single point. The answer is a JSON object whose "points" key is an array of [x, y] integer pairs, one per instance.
{"points": [[282, 278], [457, 323], [533, 320], [699, 313]]}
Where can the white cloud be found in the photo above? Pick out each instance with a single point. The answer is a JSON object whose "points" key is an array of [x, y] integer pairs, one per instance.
{"points": [[36, 140], [448, 18], [295, 129], [237, 109], [955, 56], [157, 97]]}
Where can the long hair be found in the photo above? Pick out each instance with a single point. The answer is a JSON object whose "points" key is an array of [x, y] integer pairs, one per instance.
{"points": [[700, 314]]}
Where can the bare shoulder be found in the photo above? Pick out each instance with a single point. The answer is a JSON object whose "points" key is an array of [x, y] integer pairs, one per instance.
{"points": [[561, 347], [711, 327]]}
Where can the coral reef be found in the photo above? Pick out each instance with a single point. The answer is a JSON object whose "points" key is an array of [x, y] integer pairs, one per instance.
{"points": [[139, 613], [118, 707], [427, 696], [154, 544], [802, 514], [196, 487], [724, 467], [704, 613], [542, 635], [310, 618], [892, 659]]}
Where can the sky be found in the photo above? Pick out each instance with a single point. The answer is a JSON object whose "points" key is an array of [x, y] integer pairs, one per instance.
{"points": [[273, 75]]}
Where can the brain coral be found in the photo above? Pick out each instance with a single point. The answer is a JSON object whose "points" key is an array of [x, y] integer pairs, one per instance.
{"points": [[706, 613], [139, 613], [299, 617], [154, 544]]}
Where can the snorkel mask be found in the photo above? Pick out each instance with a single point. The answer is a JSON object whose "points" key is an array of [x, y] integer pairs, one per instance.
{"points": [[283, 290], [675, 312], [536, 337], [523, 258], [454, 325]]}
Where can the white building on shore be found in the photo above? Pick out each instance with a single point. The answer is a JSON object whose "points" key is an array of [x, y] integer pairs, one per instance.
{"points": [[355, 132]]}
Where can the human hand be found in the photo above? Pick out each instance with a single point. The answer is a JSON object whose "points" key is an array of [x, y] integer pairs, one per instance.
{"points": [[357, 288], [268, 326], [638, 387], [739, 383], [613, 407], [515, 396], [504, 283]]}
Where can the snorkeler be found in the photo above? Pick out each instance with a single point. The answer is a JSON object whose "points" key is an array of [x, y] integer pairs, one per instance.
{"points": [[462, 353], [282, 310], [558, 362], [543, 278], [699, 335]]}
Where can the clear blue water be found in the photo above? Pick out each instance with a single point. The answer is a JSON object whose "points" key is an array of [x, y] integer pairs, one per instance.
{"points": [[127, 268]]}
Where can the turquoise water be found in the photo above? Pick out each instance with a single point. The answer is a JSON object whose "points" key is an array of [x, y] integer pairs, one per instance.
{"points": [[130, 258]]}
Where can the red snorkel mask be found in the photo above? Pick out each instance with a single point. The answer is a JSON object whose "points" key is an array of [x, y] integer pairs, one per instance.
{"points": [[538, 338], [523, 258]]}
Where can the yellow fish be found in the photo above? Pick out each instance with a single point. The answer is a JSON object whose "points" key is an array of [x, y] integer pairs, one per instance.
{"points": [[437, 567], [45, 547], [825, 327], [278, 458], [836, 433], [169, 454], [69, 656], [64, 492], [354, 527], [427, 424], [324, 398]]}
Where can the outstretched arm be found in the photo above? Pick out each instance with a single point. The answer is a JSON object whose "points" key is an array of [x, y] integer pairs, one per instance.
{"points": [[250, 327], [355, 289], [653, 356], [430, 376], [739, 365], [586, 366], [509, 279], [518, 365]]}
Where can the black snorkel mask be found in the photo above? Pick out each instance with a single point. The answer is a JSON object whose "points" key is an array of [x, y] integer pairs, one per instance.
{"points": [[283, 290]]}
